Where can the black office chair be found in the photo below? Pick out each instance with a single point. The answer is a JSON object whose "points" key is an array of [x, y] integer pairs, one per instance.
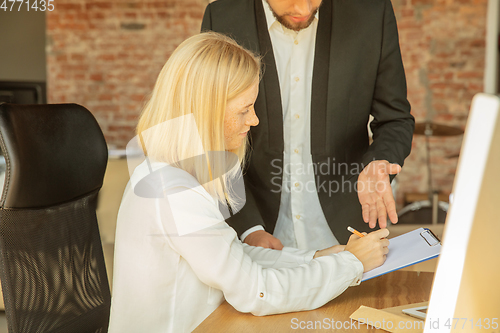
{"points": [[51, 261]]}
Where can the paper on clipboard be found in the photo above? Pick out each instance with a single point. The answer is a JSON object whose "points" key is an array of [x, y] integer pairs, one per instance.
{"points": [[406, 250]]}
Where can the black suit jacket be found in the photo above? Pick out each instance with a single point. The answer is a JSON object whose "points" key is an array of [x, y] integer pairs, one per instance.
{"points": [[358, 71]]}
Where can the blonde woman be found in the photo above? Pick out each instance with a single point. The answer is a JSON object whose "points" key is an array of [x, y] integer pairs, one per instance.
{"points": [[176, 259]]}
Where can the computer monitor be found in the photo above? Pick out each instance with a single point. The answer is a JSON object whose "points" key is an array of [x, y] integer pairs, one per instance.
{"points": [[466, 291], [23, 92]]}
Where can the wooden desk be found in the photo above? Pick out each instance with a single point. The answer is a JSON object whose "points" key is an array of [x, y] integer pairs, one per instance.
{"points": [[393, 289]]}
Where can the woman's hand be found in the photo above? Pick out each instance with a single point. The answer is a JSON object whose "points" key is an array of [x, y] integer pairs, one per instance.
{"points": [[371, 249]]}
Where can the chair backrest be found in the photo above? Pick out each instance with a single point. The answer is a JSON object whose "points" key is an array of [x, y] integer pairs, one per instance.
{"points": [[51, 261]]}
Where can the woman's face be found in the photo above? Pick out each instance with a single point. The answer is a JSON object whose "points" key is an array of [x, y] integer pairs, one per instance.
{"points": [[240, 115]]}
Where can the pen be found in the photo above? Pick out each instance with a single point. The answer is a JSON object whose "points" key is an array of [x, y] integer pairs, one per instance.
{"points": [[354, 231]]}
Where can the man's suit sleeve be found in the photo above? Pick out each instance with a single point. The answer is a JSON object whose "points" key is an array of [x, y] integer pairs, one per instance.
{"points": [[206, 24], [393, 124], [249, 216]]}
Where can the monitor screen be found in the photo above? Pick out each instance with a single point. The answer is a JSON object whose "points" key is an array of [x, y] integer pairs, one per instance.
{"points": [[466, 291]]}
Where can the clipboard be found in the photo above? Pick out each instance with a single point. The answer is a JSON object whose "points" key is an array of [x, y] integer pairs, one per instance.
{"points": [[408, 249]]}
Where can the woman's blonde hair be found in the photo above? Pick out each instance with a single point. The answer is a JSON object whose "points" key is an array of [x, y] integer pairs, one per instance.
{"points": [[201, 76]]}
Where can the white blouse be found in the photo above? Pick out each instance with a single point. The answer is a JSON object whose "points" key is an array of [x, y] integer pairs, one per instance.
{"points": [[176, 260]]}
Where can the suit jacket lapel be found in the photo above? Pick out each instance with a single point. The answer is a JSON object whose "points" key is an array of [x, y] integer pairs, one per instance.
{"points": [[269, 101], [320, 79], [269, 94]]}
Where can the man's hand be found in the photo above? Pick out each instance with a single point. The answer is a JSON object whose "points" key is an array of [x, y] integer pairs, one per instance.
{"points": [[375, 193], [263, 239]]}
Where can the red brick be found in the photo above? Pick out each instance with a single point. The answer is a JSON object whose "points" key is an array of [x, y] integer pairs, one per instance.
{"points": [[63, 7], [114, 128], [132, 118], [470, 75], [409, 24], [440, 107], [164, 15], [73, 26], [421, 2], [159, 4], [130, 15], [96, 77], [137, 97], [474, 87], [76, 67], [96, 15], [77, 57], [448, 76], [98, 5], [61, 58], [481, 43], [433, 76], [441, 85], [105, 97], [105, 108], [79, 77], [106, 57], [130, 5]]}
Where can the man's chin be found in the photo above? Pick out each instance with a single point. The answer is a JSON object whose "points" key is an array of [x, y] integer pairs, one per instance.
{"points": [[288, 23]]}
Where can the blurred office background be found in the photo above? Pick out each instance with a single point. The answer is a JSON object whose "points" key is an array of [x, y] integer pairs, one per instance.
{"points": [[106, 56]]}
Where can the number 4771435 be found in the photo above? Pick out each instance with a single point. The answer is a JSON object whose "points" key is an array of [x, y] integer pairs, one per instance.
{"points": [[35, 5], [463, 323]]}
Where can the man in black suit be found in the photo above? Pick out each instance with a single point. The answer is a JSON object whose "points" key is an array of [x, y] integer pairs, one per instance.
{"points": [[329, 65]]}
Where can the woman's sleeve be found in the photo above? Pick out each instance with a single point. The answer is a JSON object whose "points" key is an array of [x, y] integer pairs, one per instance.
{"points": [[196, 230], [287, 257]]}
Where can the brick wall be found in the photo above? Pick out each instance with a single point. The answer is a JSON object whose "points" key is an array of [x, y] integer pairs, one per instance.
{"points": [[443, 48], [106, 56]]}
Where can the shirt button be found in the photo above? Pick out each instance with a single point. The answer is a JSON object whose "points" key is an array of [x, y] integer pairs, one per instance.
{"points": [[297, 116], [296, 184], [261, 295], [296, 151], [298, 217], [297, 79], [296, 42]]}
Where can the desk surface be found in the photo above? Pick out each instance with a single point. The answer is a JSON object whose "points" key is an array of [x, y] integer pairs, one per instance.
{"points": [[393, 289]]}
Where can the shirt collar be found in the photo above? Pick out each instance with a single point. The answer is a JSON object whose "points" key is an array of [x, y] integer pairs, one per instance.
{"points": [[270, 19]]}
